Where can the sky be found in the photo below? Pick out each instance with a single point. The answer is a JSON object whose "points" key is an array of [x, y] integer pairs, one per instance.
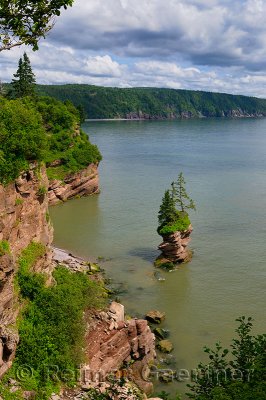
{"points": [[212, 45]]}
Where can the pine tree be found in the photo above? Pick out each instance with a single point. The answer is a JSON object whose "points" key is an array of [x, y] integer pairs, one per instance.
{"points": [[174, 205], [180, 196], [167, 211], [24, 85]]}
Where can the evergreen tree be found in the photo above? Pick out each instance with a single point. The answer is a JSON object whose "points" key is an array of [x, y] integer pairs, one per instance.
{"points": [[25, 82], [180, 196], [167, 211], [173, 210]]}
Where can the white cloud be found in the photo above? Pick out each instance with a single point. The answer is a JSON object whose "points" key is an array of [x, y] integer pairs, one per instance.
{"points": [[214, 45]]}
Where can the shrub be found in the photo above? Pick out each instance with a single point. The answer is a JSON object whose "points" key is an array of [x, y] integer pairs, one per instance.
{"points": [[4, 247], [242, 376]]}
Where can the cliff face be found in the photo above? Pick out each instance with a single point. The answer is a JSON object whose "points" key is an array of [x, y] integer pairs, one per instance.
{"points": [[23, 218], [82, 183]]}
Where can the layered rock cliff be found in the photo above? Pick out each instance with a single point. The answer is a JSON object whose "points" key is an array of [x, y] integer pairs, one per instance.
{"points": [[23, 218], [81, 183], [112, 341], [174, 248]]}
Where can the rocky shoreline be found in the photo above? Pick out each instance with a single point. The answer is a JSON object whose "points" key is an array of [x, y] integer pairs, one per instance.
{"points": [[115, 346], [141, 116]]}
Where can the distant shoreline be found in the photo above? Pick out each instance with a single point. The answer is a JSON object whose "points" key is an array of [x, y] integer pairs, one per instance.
{"points": [[114, 119]]}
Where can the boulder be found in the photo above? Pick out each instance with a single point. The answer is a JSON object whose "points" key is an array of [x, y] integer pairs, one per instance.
{"points": [[155, 317], [165, 346], [160, 333]]}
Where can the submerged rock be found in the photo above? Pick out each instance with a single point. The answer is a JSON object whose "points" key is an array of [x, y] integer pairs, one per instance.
{"points": [[155, 317], [160, 333], [165, 346]]}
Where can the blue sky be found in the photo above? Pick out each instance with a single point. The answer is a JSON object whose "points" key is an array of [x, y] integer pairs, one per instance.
{"points": [[213, 45]]}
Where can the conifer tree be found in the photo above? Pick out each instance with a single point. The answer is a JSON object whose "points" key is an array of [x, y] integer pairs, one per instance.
{"points": [[175, 204], [167, 212], [180, 196], [24, 84]]}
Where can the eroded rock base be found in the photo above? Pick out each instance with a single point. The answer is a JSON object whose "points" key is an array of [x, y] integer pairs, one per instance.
{"points": [[174, 249]]}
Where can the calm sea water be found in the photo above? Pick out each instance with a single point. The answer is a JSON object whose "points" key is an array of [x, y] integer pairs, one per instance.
{"points": [[224, 163]]}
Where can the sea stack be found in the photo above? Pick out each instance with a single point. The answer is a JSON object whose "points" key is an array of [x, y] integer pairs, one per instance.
{"points": [[175, 226], [174, 248]]}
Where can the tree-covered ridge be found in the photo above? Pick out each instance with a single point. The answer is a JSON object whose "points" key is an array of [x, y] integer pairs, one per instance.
{"points": [[41, 129], [106, 102]]}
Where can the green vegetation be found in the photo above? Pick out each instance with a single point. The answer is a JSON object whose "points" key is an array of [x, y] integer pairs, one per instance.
{"points": [[104, 102], [172, 215], [25, 82], [18, 202], [52, 327], [4, 247], [42, 129], [22, 137], [26, 21], [181, 224], [239, 374]]}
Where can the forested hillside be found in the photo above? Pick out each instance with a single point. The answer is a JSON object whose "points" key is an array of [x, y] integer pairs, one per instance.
{"points": [[154, 103]]}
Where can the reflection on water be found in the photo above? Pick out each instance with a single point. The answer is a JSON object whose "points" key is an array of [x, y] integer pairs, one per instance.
{"points": [[224, 163]]}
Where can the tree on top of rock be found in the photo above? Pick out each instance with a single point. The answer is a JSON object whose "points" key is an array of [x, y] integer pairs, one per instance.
{"points": [[24, 84], [173, 214]]}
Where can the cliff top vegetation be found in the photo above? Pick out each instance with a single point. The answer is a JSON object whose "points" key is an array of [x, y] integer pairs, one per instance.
{"points": [[41, 129]]}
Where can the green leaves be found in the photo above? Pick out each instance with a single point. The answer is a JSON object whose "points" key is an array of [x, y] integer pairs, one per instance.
{"points": [[22, 138], [26, 21], [235, 375]]}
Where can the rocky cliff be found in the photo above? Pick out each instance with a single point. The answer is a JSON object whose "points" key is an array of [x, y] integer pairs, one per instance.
{"points": [[112, 341], [174, 248], [23, 218], [82, 183]]}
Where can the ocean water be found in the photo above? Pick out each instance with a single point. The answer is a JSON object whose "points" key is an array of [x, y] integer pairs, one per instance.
{"points": [[224, 164]]}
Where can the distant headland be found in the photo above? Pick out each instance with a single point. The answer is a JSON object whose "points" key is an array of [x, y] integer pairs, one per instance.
{"points": [[154, 103]]}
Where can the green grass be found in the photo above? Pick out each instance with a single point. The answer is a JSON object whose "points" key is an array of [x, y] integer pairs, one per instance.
{"points": [[58, 173], [181, 224], [4, 247], [29, 256]]}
